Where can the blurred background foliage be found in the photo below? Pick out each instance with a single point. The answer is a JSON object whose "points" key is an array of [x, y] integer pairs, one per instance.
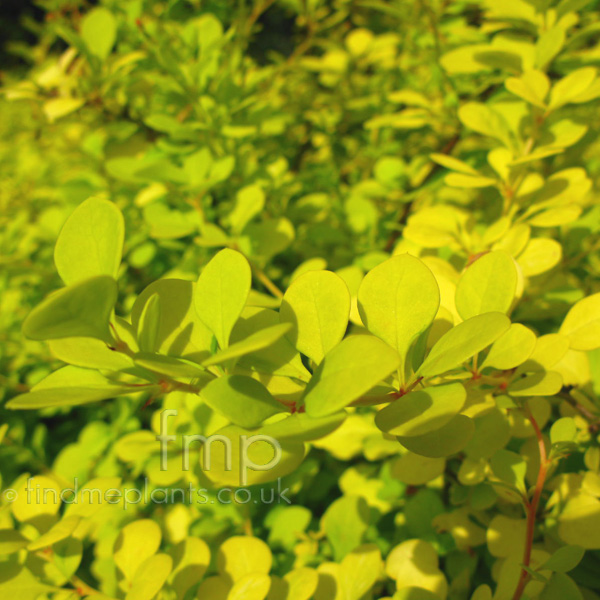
{"points": [[308, 134]]}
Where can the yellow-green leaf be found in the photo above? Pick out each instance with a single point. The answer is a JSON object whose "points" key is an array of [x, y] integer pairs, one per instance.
{"points": [[99, 32], [317, 305], [80, 310], [150, 577], [511, 349], [221, 292], [464, 341], [422, 411], [239, 556], [351, 369], [90, 242], [582, 324], [136, 543], [487, 285], [398, 300]]}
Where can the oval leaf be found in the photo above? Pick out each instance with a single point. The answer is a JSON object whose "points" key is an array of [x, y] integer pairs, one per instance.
{"points": [[221, 292], [317, 305], [350, 370], [488, 285], [80, 310], [90, 242]]}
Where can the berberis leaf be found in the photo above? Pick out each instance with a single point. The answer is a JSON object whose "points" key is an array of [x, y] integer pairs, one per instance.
{"points": [[242, 400], [221, 292], [422, 411], [90, 242], [398, 300], [80, 310], [317, 305], [489, 284], [464, 341], [351, 369], [72, 386]]}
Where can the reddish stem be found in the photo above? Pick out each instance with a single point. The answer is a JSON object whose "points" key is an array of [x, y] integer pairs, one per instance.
{"points": [[532, 507]]}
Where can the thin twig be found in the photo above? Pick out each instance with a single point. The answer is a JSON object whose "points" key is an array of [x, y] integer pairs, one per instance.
{"points": [[262, 277], [532, 507]]}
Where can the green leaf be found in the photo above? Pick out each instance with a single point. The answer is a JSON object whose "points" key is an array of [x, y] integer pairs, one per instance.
{"points": [[492, 432], [180, 332], [510, 468], [468, 181], [483, 592], [582, 324], [398, 301], [242, 400], [247, 461], [532, 86], [56, 108], [540, 255], [563, 430], [28, 507], [264, 240], [279, 358], [414, 563], [549, 44], [254, 586], [415, 593], [191, 558], [285, 524], [58, 532], [221, 292], [150, 577], [464, 341], [487, 285], [89, 353], [90, 242], [351, 369], [485, 120], [71, 386], [422, 411], [359, 571], [549, 350], [579, 521], [253, 343], [137, 542], [511, 349], [554, 217], [561, 587], [18, 582], [80, 310], [170, 366], [536, 384], [345, 523], [416, 469], [448, 440], [299, 584], [11, 541], [166, 223], [317, 305], [463, 59], [99, 32], [505, 536], [240, 555], [569, 87], [249, 201], [453, 164], [564, 559], [301, 427], [149, 325]]}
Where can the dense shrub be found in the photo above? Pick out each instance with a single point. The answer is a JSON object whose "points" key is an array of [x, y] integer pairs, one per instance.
{"points": [[365, 231]]}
